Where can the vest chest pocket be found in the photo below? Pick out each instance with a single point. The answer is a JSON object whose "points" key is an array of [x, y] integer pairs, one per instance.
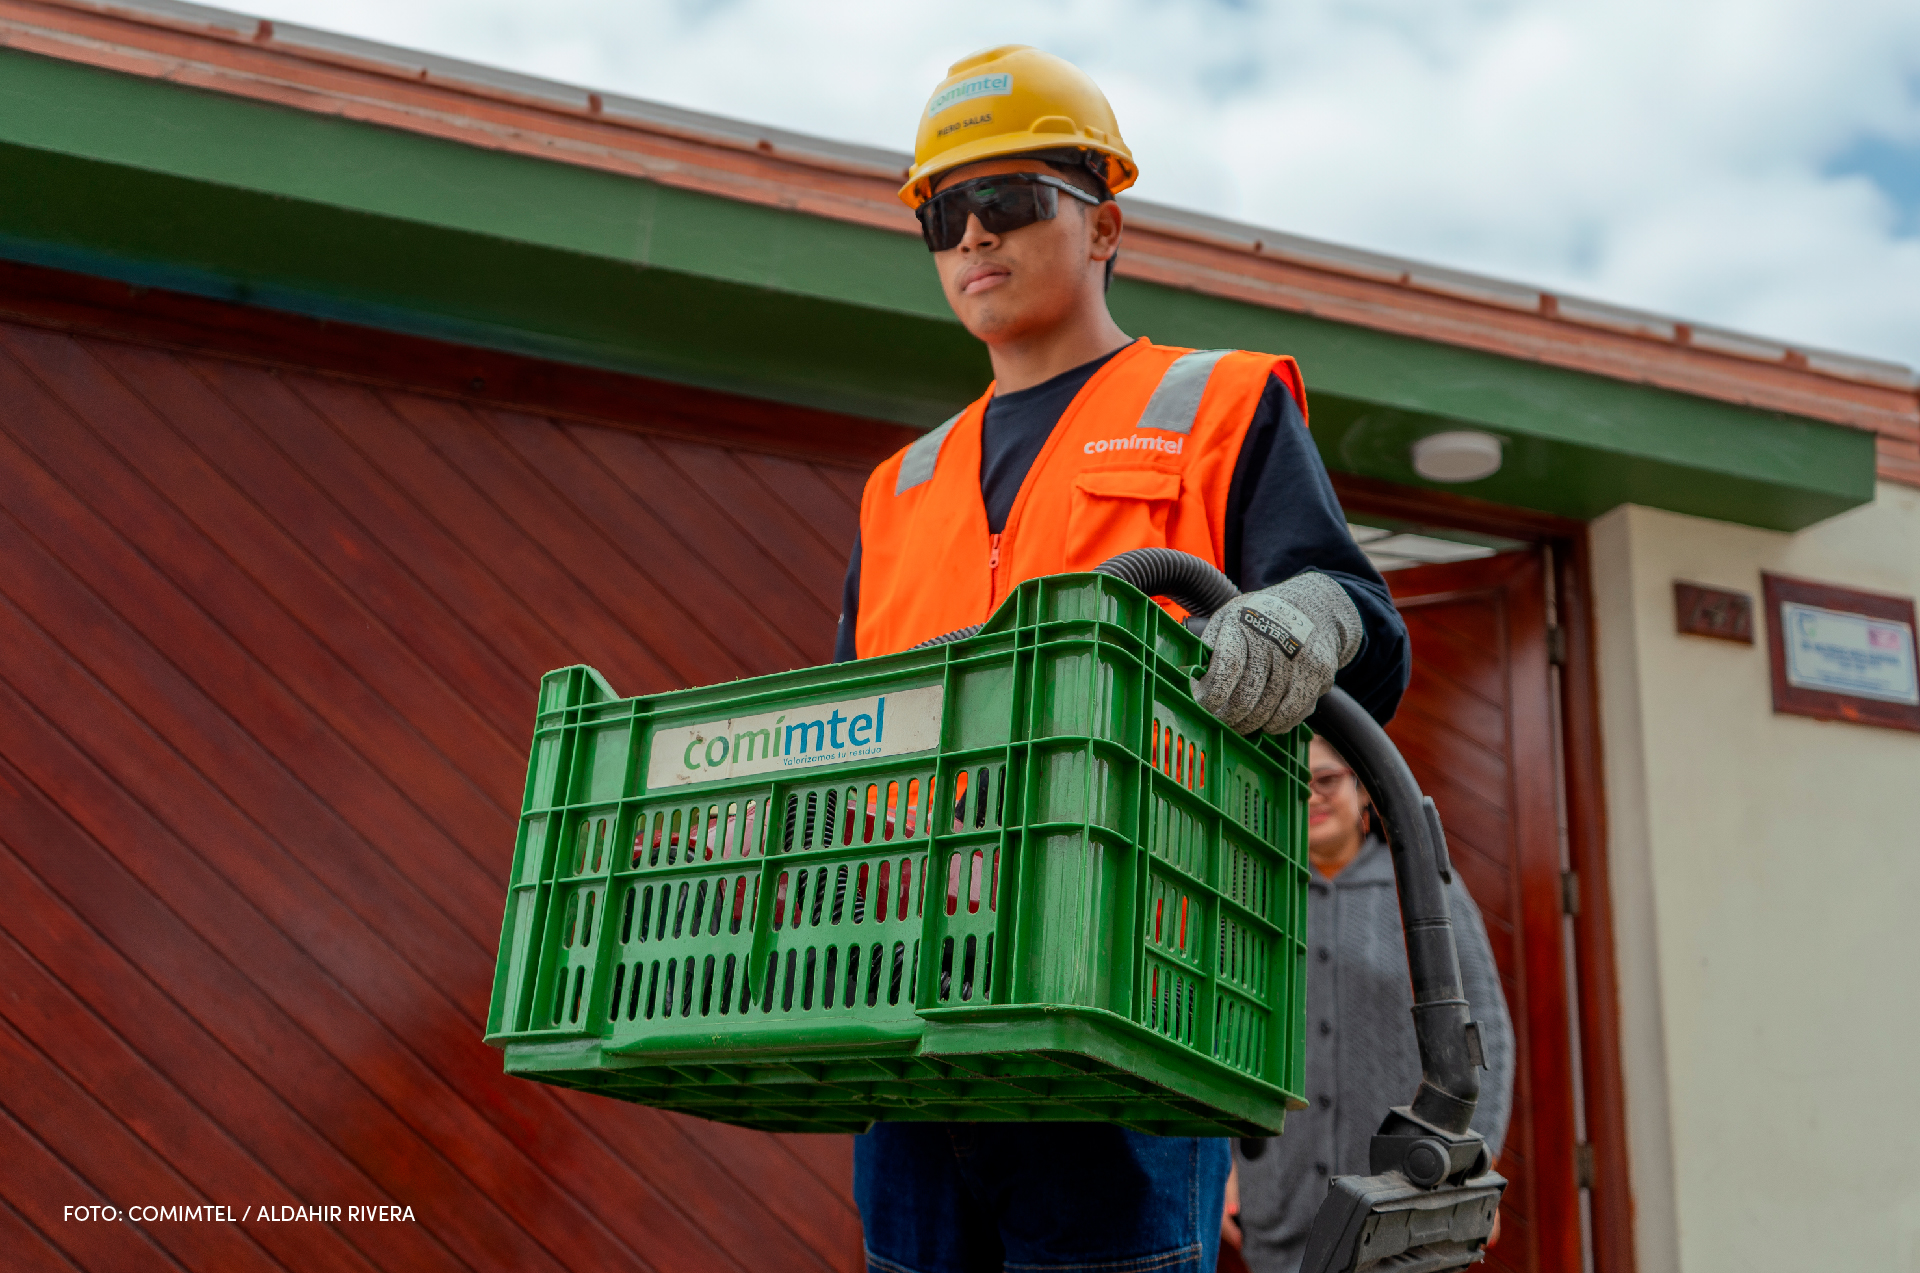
{"points": [[1114, 510]]}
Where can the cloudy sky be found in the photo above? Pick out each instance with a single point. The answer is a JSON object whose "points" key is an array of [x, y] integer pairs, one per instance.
{"points": [[1748, 163]]}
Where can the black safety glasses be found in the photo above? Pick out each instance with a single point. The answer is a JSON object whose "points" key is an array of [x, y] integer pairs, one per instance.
{"points": [[1003, 204]]}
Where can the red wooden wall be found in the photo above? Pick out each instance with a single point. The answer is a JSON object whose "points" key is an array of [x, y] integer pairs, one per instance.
{"points": [[270, 639]]}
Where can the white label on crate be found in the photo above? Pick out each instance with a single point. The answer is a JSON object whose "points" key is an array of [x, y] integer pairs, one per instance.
{"points": [[898, 723], [1849, 653]]}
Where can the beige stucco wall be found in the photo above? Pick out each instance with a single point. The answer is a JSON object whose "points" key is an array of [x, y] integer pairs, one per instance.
{"points": [[1766, 881]]}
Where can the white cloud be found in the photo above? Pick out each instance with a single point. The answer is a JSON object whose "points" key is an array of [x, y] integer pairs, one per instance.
{"points": [[1672, 156]]}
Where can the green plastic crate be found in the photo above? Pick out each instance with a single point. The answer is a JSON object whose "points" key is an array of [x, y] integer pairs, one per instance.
{"points": [[1019, 877]]}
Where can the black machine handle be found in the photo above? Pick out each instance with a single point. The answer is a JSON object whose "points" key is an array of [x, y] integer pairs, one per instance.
{"points": [[1431, 1200]]}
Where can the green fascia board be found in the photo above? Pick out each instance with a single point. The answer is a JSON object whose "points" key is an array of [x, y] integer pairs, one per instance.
{"points": [[1576, 444], [202, 136], [176, 187], [169, 186], [164, 232]]}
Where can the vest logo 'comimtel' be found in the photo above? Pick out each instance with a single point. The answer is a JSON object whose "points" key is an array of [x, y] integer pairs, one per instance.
{"points": [[1138, 442], [897, 723]]}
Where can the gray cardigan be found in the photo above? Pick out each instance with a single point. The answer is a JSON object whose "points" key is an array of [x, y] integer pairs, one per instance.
{"points": [[1361, 1058]]}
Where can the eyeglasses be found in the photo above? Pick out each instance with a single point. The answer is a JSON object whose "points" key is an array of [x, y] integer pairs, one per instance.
{"points": [[1326, 783], [1004, 203]]}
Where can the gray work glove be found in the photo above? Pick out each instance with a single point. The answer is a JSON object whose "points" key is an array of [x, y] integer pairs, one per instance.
{"points": [[1275, 653]]}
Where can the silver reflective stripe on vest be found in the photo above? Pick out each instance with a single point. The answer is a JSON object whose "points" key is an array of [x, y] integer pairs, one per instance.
{"points": [[917, 465], [1176, 400]]}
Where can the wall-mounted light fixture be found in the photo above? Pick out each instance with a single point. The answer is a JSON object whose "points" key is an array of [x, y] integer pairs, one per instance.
{"points": [[1463, 455]]}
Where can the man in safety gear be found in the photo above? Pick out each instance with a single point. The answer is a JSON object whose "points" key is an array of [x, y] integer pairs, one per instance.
{"points": [[1087, 443]]}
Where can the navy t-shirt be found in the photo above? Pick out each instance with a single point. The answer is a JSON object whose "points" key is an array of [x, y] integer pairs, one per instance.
{"points": [[1282, 518]]}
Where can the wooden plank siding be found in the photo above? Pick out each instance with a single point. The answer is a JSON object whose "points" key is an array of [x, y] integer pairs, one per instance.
{"points": [[271, 640]]}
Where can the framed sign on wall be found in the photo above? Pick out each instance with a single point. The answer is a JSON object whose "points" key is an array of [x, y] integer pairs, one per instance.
{"points": [[1842, 654]]}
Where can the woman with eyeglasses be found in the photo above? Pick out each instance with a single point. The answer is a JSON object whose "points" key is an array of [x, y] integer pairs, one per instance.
{"points": [[1361, 1057]]}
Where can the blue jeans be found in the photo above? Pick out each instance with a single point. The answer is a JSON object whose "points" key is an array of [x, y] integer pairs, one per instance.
{"points": [[979, 1197]]}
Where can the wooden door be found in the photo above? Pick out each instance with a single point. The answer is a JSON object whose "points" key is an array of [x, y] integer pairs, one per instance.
{"points": [[1477, 727]]}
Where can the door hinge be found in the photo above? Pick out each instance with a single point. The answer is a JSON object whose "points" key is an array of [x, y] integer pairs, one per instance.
{"points": [[1569, 892], [1583, 1165], [1557, 646]]}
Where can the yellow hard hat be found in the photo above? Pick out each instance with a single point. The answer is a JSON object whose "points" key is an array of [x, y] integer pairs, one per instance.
{"points": [[1014, 100]]}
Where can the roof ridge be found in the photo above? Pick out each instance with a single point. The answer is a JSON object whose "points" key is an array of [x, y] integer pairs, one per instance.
{"points": [[878, 162]]}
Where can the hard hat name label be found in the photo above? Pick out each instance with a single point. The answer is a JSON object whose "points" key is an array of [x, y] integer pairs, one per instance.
{"points": [[969, 122]]}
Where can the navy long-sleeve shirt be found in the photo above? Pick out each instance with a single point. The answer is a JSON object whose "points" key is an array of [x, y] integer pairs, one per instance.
{"points": [[1282, 518]]}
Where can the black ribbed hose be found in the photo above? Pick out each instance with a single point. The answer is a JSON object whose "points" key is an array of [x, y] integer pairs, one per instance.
{"points": [[1182, 578], [1449, 1074], [948, 638]]}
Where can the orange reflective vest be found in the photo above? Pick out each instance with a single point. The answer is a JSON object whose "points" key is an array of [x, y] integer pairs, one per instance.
{"points": [[1142, 457]]}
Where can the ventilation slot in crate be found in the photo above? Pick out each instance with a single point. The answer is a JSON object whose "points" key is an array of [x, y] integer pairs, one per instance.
{"points": [[874, 812], [685, 834], [1168, 919], [973, 975], [1248, 880], [589, 846], [980, 798], [1239, 1033], [1170, 1002], [1244, 958], [872, 975], [1179, 757]]}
